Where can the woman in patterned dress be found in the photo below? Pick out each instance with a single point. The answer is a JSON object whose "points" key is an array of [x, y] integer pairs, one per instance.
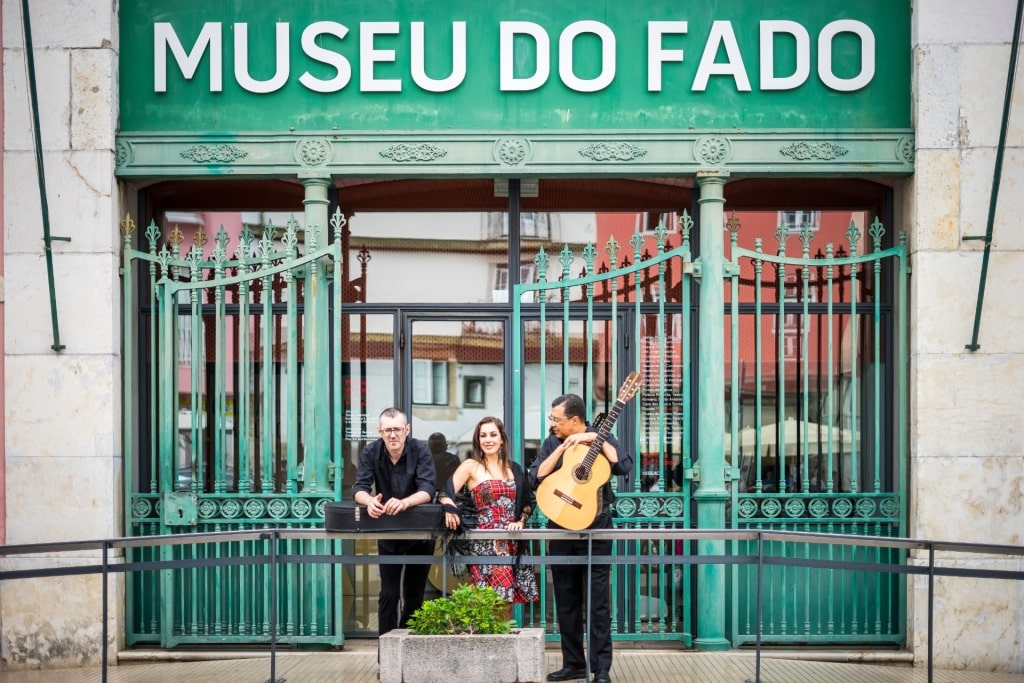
{"points": [[504, 500]]}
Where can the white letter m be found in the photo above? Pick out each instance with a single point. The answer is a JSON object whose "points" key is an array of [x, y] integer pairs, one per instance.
{"points": [[164, 37]]}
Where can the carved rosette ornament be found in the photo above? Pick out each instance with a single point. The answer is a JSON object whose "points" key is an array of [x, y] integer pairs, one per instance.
{"points": [[213, 154], [905, 150], [123, 153], [613, 151], [405, 152], [512, 151], [712, 150], [808, 151], [313, 152]]}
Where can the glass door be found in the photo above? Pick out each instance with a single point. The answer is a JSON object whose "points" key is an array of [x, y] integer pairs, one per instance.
{"points": [[456, 376]]}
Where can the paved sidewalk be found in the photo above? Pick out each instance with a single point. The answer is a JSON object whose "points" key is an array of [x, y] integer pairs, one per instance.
{"points": [[357, 663]]}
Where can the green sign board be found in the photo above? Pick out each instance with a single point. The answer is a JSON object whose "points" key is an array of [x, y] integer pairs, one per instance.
{"points": [[519, 65]]}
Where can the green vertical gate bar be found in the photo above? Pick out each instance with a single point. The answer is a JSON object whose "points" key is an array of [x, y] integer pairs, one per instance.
{"points": [[853, 236], [735, 455], [244, 360], [333, 574], [196, 348], [659, 238], [337, 225], [566, 259], [831, 384], [781, 236], [589, 252], [290, 383], [686, 459], [153, 238], [711, 495], [805, 326], [129, 382], [219, 367], [758, 363], [902, 412], [268, 435], [168, 311], [876, 231]]}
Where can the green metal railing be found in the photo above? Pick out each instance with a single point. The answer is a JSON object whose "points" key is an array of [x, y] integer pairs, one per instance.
{"points": [[273, 550]]}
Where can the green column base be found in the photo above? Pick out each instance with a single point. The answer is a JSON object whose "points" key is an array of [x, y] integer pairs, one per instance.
{"points": [[712, 644]]}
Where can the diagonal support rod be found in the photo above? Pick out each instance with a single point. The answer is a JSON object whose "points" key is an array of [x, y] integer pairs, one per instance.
{"points": [[998, 172], [44, 206]]}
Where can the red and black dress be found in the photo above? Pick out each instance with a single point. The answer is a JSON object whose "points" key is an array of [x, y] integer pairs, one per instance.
{"points": [[495, 507]]}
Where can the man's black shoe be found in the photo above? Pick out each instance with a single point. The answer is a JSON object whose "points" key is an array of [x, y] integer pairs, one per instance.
{"points": [[602, 677], [567, 673]]}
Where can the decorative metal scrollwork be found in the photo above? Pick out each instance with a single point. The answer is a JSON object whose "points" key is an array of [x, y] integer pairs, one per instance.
{"points": [[613, 151], [807, 151], [842, 507], [404, 152], [213, 154], [230, 508]]}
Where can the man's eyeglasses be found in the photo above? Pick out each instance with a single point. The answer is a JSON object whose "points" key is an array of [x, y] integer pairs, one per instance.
{"points": [[391, 431], [557, 420]]}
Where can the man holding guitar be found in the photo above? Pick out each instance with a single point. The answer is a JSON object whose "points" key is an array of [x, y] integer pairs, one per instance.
{"points": [[562, 455]]}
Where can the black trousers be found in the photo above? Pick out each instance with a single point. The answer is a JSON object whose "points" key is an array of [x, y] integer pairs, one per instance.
{"points": [[401, 585], [570, 583]]}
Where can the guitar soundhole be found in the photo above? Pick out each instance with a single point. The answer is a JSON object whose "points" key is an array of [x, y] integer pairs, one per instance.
{"points": [[581, 474]]}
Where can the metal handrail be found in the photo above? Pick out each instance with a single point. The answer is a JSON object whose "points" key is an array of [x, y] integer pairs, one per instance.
{"points": [[759, 559]]}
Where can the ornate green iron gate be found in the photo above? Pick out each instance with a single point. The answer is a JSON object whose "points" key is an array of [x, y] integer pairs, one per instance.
{"points": [[243, 418], [818, 376], [589, 331], [817, 439]]}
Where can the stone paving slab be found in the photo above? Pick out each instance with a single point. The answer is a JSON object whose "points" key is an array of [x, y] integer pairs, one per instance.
{"points": [[359, 665]]}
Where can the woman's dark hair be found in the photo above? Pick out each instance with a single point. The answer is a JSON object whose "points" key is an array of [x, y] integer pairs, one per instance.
{"points": [[503, 456]]}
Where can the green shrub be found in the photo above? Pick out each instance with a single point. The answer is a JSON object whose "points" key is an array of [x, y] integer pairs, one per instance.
{"points": [[469, 609]]}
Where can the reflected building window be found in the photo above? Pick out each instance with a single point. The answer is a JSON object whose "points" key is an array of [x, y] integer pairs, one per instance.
{"points": [[527, 274], [531, 224], [794, 221], [429, 382], [474, 392]]}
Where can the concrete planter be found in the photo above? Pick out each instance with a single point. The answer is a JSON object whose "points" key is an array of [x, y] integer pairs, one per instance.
{"points": [[517, 657]]}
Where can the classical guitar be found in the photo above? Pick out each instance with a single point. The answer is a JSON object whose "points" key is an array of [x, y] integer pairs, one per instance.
{"points": [[571, 495]]}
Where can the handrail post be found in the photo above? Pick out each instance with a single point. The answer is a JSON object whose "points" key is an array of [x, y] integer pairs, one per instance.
{"points": [[590, 597], [931, 608], [757, 637], [104, 592], [272, 536]]}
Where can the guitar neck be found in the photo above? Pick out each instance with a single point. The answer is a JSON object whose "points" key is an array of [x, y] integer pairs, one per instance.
{"points": [[602, 434]]}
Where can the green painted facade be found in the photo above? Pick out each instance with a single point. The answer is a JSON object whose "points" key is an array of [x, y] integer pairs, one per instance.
{"points": [[710, 93], [517, 66]]}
